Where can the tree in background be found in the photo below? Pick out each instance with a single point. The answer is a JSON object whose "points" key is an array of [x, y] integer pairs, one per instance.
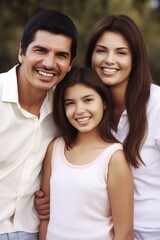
{"points": [[85, 13]]}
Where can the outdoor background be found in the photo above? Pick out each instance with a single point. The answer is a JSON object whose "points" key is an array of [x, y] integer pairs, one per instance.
{"points": [[85, 13]]}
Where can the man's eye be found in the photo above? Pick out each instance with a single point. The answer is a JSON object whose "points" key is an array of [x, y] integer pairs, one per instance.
{"points": [[62, 55], [39, 50]]}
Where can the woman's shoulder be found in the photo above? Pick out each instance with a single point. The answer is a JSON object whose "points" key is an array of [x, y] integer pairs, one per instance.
{"points": [[154, 100], [155, 91]]}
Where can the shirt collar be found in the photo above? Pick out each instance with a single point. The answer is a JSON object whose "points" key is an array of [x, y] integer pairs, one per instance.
{"points": [[9, 86], [10, 91]]}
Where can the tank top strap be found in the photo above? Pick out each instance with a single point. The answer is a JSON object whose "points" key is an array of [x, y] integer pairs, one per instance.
{"points": [[58, 149], [108, 153]]}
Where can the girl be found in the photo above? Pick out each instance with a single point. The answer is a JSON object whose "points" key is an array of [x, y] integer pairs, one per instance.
{"points": [[116, 51], [91, 185]]}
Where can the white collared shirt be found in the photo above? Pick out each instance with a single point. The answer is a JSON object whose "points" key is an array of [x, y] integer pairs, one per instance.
{"points": [[147, 178], [23, 142]]}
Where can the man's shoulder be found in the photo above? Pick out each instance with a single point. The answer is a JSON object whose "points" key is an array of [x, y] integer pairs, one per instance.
{"points": [[10, 71], [8, 75]]}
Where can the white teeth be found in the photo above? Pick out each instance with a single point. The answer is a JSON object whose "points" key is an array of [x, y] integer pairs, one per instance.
{"points": [[46, 74], [82, 119], [110, 70]]}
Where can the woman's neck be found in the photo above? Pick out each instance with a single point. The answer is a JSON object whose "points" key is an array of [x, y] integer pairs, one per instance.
{"points": [[118, 104]]}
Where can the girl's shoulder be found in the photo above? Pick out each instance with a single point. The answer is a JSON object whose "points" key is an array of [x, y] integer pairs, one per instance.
{"points": [[53, 142], [118, 161], [115, 152]]}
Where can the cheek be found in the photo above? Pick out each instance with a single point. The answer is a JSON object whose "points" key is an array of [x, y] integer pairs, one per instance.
{"points": [[98, 108], [64, 68], [96, 62], [127, 64], [69, 113]]}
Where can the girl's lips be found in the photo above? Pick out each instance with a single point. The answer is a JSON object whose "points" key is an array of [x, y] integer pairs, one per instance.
{"points": [[82, 119]]}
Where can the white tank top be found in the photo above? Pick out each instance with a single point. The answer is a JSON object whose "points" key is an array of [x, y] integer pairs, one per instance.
{"points": [[79, 202]]}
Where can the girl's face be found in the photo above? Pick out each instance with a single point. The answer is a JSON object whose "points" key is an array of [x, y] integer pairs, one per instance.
{"points": [[112, 59], [84, 107]]}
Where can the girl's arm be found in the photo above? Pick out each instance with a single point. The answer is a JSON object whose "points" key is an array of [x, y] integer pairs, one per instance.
{"points": [[121, 193], [45, 186]]}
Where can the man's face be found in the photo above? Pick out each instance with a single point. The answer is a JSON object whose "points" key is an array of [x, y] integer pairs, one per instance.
{"points": [[46, 61]]}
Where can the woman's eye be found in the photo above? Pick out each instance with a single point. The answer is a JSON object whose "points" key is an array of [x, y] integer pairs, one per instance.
{"points": [[100, 51], [88, 100], [122, 53]]}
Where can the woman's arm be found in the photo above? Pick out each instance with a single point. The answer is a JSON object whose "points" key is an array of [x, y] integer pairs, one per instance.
{"points": [[121, 193], [45, 186]]}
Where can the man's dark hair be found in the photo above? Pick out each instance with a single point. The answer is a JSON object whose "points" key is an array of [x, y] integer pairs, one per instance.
{"points": [[52, 21]]}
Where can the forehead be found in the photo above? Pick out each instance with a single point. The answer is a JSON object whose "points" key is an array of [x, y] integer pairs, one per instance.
{"points": [[79, 90], [51, 40], [113, 39]]}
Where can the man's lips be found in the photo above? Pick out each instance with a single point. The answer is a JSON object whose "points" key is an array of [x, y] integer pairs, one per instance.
{"points": [[46, 74]]}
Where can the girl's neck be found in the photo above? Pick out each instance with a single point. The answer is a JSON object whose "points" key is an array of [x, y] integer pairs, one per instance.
{"points": [[89, 139], [85, 149]]}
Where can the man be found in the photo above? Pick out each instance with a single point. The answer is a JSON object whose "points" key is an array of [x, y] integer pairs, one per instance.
{"points": [[46, 52]]}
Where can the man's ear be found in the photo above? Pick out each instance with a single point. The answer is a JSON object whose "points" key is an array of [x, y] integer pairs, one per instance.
{"points": [[20, 54], [69, 69]]}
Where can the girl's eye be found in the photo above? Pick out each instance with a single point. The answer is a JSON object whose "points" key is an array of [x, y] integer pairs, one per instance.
{"points": [[67, 103]]}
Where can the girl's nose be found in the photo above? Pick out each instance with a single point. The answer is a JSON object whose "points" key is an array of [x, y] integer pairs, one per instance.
{"points": [[80, 108]]}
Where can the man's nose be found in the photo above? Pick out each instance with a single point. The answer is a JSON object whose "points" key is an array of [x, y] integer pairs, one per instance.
{"points": [[49, 61]]}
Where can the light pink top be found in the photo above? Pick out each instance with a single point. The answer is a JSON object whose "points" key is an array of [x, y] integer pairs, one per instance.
{"points": [[80, 208]]}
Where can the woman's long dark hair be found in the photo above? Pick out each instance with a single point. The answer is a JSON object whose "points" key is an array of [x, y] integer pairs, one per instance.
{"points": [[138, 88], [88, 77]]}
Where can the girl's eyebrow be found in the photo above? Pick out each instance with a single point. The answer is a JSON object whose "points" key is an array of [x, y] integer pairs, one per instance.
{"points": [[86, 96]]}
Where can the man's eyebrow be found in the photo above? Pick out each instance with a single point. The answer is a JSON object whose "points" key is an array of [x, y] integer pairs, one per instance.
{"points": [[39, 46]]}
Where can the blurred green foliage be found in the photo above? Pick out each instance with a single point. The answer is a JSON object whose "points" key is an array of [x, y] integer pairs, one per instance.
{"points": [[85, 13]]}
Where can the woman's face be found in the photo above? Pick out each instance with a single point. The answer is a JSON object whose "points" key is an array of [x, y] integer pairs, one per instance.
{"points": [[112, 59]]}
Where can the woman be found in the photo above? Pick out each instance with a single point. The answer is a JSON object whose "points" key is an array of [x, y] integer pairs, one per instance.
{"points": [[116, 51]]}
